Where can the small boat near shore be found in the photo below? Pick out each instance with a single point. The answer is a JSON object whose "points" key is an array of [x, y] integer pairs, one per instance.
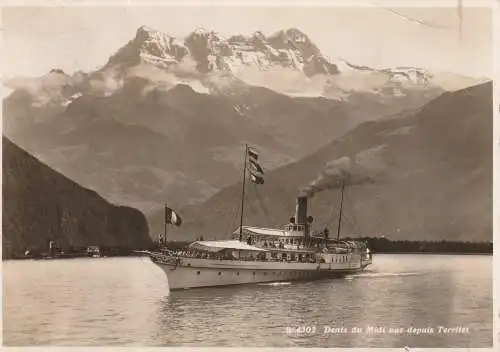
{"points": [[262, 255]]}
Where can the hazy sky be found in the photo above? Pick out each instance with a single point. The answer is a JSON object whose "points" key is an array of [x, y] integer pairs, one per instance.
{"points": [[38, 39]]}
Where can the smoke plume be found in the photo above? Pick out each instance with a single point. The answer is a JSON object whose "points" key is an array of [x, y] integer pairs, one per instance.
{"points": [[364, 169]]}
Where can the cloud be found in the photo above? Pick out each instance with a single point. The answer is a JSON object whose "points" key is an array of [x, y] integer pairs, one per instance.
{"points": [[165, 79], [105, 83], [283, 80], [44, 90], [359, 81], [296, 83]]}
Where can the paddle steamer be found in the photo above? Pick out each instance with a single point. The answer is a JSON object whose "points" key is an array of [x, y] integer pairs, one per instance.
{"points": [[256, 254]]}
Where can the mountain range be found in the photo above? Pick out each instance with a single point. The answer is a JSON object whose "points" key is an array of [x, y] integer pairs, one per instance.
{"points": [[40, 204], [426, 175], [288, 55], [165, 119]]}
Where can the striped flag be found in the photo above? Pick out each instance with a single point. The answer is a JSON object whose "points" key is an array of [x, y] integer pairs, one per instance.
{"points": [[171, 217], [257, 179], [254, 166], [252, 153], [255, 170]]}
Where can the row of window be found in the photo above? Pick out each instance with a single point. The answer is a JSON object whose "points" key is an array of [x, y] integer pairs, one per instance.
{"points": [[340, 259], [279, 273]]}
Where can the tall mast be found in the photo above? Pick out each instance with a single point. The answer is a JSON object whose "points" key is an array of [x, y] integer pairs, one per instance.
{"points": [[243, 191], [165, 232], [340, 213]]}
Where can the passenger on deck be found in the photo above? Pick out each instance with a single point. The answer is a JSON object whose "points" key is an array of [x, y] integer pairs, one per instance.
{"points": [[326, 232]]}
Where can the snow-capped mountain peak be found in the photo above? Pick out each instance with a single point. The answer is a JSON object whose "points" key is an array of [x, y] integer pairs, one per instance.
{"points": [[289, 49], [152, 46], [401, 74]]}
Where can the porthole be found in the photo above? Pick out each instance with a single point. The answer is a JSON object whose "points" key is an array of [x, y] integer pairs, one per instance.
{"points": [[220, 273], [198, 273]]}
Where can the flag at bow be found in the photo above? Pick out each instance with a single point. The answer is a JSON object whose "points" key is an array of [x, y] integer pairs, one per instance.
{"points": [[255, 170], [171, 217]]}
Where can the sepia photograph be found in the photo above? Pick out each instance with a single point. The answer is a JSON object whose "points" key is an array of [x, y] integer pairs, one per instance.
{"points": [[249, 175]]}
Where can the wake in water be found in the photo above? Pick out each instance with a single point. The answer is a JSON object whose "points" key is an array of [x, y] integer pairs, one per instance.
{"points": [[371, 274], [274, 283]]}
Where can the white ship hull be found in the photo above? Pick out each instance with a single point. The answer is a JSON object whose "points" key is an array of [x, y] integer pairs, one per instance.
{"points": [[192, 272]]}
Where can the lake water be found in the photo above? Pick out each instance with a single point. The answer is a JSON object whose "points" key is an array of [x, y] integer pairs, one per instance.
{"points": [[125, 301]]}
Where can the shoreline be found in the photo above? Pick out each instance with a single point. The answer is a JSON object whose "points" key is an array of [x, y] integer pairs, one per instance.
{"points": [[437, 253], [74, 257]]}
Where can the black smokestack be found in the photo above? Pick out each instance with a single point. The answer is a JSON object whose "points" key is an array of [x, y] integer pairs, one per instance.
{"points": [[301, 213], [301, 210]]}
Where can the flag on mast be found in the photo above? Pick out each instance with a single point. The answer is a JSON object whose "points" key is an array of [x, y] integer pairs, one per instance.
{"points": [[254, 168], [171, 217], [257, 179], [252, 153]]}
